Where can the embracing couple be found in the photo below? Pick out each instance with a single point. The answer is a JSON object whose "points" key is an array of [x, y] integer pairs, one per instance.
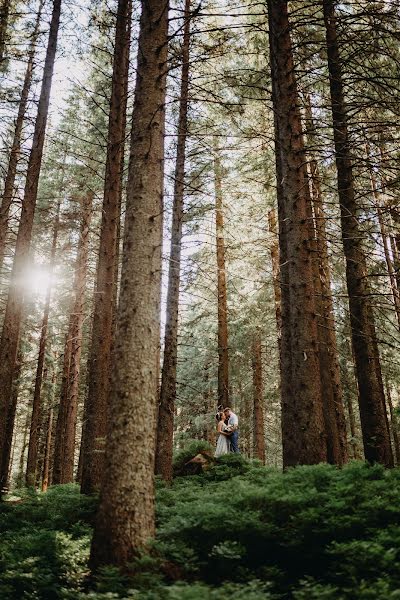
{"points": [[228, 438]]}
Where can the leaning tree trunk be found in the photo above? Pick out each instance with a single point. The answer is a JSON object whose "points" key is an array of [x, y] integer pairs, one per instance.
{"points": [[31, 466], [258, 396], [125, 520], [303, 431], [9, 182], [13, 313], [374, 422], [166, 409], [97, 401], [223, 350], [64, 452]]}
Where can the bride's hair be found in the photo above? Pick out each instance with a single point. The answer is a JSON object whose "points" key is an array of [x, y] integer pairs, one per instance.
{"points": [[219, 416]]}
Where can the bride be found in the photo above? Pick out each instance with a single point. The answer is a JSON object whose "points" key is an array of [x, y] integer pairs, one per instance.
{"points": [[223, 444]]}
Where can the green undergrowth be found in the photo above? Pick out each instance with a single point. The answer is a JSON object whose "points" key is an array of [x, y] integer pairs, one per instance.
{"points": [[239, 531]]}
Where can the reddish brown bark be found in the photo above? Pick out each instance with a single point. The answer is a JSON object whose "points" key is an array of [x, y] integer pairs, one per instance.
{"points": [[393, 425], [166, 409], [258, 399], [374, 423], [332, 397], [31, 467], [9, 183], [97, 401], [223, 350], [64, 452], [125, 520], [13, 313], [46, 461], [303, 431], [6, 466]]}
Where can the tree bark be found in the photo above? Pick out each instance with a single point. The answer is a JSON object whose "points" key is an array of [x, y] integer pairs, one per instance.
{"points": [[166, 409], [9, 183], [223, 350], [46, 462], [97, 401], [5, 466], [31, 468], [303, 431], [394, 425], [125, 520], [258, 396], [335, 424], [4, 15], [374, 423], [13, 313], [64, 452]]}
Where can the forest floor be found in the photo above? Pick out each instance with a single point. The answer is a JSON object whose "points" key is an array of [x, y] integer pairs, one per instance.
{"points": [[239, 531]]}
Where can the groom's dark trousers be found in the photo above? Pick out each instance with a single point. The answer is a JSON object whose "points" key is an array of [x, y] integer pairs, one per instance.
{"points": [[234, 440]]}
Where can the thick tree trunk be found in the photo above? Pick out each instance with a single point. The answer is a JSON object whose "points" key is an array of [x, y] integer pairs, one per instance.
{"points": [[223, 350], [64, 452], [258, 396], [9, 182], [13, 313], [31, 468], [166, 409], [303, 431], [125, 520], [6, 466], [371, 393], [97, 401], [335, 424]]}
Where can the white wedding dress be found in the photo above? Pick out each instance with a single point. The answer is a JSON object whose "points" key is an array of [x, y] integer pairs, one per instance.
{"points": [[223, 445]]}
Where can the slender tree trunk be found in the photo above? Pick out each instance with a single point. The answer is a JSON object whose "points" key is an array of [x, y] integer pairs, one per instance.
{"points": [[31, 468], [258, 395], [394, 425], [303, 431], [13, 314], [166, 409], [9, 183], [125, 521], [371, 393], [335, 424], [46, 461], [64, 452], [223, 350], [97, 401], [274, 250], [385, 239]]}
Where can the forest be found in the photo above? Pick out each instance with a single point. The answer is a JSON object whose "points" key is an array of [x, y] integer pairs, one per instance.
{"points": [[200, 300]]}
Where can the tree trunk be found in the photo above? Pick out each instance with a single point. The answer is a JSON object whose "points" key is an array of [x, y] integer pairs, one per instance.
{"points": [[335, 424], [258, 395], [166, 409], [385, 239], [97, 401], [64, 452], [9, 183], [223, 351], [394, 425], [125, 521], [5, 466], [4, 15], [46, 462], [31, 468], [365, 347], [13, 313], [303, 431]]}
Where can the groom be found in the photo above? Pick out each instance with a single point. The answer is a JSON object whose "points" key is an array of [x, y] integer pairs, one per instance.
{"points": [[233, 422]]}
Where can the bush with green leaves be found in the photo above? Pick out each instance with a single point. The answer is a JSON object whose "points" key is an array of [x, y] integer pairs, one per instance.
{"points": [[238, 531]]}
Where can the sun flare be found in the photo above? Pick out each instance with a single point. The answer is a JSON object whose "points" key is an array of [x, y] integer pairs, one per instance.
{"points": [[37, 280]]}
